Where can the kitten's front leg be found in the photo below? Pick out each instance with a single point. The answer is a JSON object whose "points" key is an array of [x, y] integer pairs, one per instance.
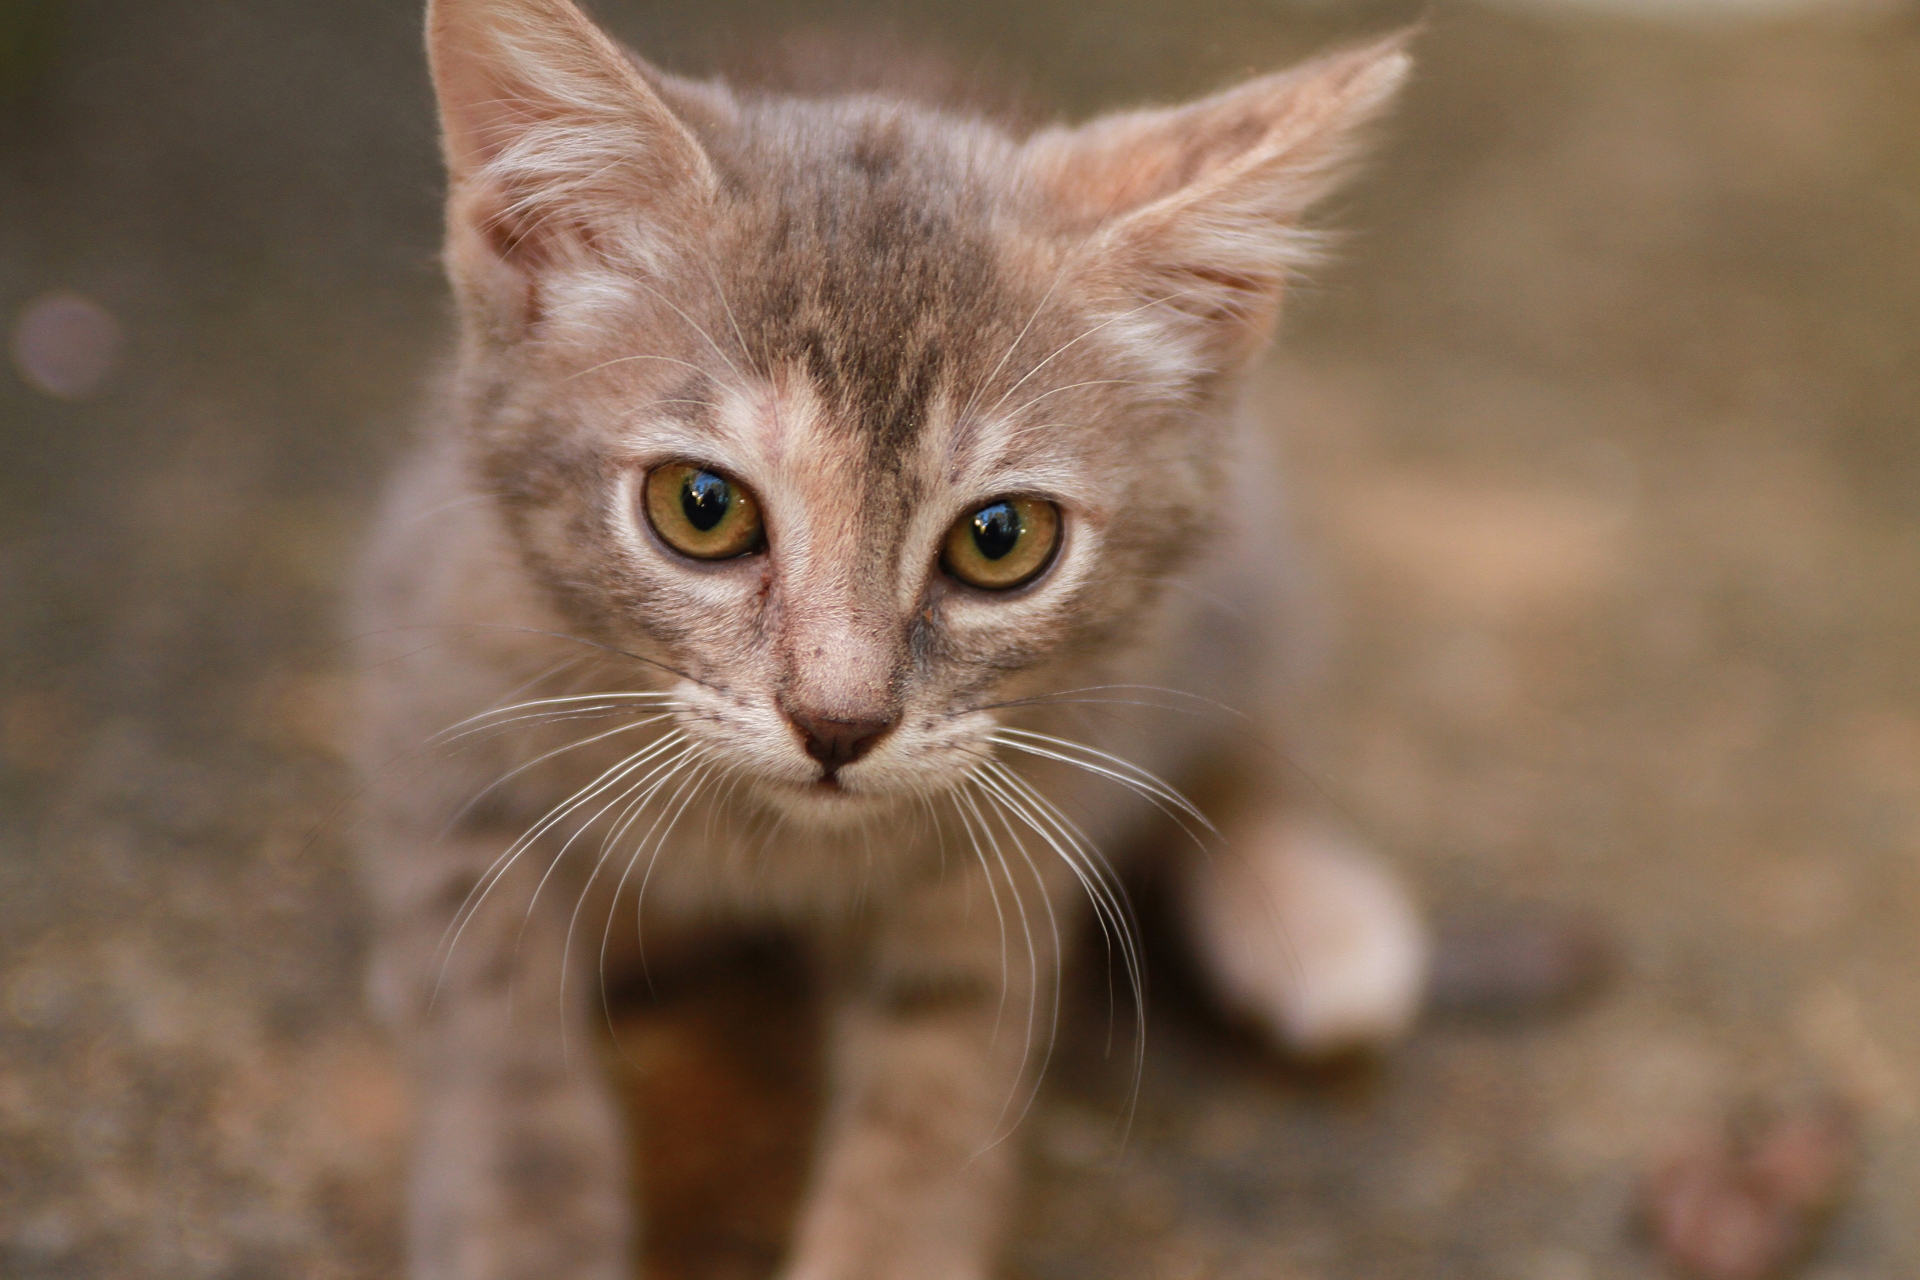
{"points": [[519, 1161], [930, 1071]]}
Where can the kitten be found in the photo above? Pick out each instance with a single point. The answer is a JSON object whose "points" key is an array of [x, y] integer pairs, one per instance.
{"points": [[811, 473]]}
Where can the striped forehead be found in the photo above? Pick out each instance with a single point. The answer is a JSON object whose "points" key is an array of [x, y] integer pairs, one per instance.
{"points": [[882, 287]]}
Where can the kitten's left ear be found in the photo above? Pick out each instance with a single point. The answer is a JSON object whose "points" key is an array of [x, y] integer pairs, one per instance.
{"points": [[1196, 211]]}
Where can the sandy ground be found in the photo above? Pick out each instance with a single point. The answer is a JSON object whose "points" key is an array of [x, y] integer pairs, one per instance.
{"points": [[1606, 439]]}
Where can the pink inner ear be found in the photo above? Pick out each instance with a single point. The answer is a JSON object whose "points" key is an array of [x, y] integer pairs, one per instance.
{"points": [[1234, 293], [1160, 157], [529, 241]]}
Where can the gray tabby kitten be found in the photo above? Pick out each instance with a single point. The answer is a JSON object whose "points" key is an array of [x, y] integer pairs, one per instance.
{"points": [[809, 472]]}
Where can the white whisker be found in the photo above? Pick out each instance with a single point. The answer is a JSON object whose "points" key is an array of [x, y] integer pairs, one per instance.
{"points": [[607, 697], [1063, 348], [1042, 698], [993, 893], [727, 306], [691, 788], [504, 863], [1002, 803], [1103, 888], [485, 733], [542, 758], [1141, 781], [1026, 930], [691, 324], [689, 754], [1072, 386], [607, 364]]}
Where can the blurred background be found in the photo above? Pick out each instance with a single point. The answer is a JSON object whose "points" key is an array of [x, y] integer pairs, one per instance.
{"points": [[1604, 435]]}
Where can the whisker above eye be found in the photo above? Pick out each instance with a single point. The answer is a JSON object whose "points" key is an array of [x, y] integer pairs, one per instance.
{"points": [[1068, 260], [1064, 347], [1073, 386], [1060, 273], [726, 305], [691, 324]]}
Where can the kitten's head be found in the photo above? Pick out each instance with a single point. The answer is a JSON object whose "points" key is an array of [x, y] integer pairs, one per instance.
{"points": [[860, 416]]}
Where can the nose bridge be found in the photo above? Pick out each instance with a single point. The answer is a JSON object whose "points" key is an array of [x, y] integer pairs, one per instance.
{"points": [[842, 640], [842, 665]]}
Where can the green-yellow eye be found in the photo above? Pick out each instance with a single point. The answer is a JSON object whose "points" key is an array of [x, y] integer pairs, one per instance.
{"points": [[701, 513], [1003, 544]]}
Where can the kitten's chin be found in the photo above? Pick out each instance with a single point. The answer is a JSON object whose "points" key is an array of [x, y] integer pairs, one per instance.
{"points": [[828, 805]]}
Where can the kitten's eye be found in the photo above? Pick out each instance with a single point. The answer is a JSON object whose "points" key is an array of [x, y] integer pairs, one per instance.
{"points": [[1003, 544], [701, 513]]}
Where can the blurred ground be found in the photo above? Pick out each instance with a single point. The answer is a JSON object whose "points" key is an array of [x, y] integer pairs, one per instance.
{"points": [[1606, 434]]}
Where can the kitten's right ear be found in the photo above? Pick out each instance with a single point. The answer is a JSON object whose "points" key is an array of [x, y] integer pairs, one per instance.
{"points": [[1198, 209], [557, 149]]}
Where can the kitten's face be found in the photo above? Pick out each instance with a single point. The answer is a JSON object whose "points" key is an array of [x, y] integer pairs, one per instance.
{"points": [[861, 419], [864, 361]]}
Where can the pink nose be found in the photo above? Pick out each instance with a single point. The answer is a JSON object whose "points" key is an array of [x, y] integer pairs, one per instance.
{"points": [[837, 742]]}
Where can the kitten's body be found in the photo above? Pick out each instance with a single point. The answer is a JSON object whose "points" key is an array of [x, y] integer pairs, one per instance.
{"points": [[873, 317]]}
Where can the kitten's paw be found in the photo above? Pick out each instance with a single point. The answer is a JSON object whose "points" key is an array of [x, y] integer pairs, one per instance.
{"points": [[1310, 936]]}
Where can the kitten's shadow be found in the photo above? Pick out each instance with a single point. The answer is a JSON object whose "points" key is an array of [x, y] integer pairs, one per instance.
{"points": [[717, 1061]]}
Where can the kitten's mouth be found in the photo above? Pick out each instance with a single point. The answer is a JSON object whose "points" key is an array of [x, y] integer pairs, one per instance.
{"points": [[829, 793], [820, 788]]}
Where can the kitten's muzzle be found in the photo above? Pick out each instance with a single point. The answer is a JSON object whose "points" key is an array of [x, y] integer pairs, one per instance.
{"points": [[835, 743]]}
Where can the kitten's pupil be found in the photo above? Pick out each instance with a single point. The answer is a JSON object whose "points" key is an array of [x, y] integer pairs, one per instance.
{"points": [[705, 498], [996, 530]]}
